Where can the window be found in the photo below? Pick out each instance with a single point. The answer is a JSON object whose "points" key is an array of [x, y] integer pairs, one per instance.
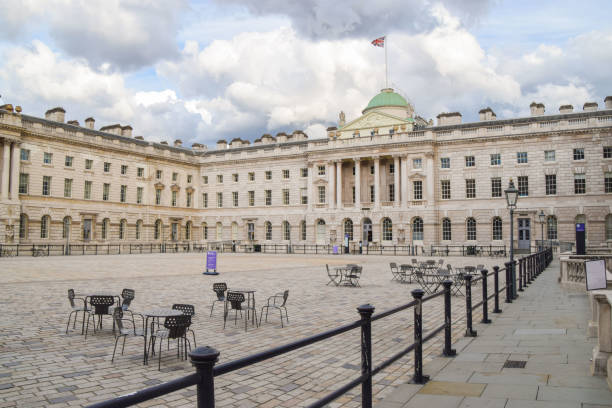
{"points": [[551, 227], [470, 161], [188, 199], [175, 177], [417, 163], [391, 168], [204, 231], [67, 188], [107, 167], [579, 154], [268, 175], [204, 179], [188, 230], [445, 162], [471, 229], [219, 200], [87, 190], [140, 172], [235, 198], [286, 196], [189, 178], [321, 194], [354, 170], [579, 183], [391, 192], [44, 227], [122, 229], [372, 193], [608, 182], [268, 197], [124, 169], [303, 230], [446, 229], [138, 229], [24, 155], [551, 184], [607, 152], [235, 177], [549, 155], [445, 187], [348, 229], [304, 195], [123, 194], [88, 164], [105, 191], [105, 228], [173, 198], [417, 229], [68, 161], [496, 188], [609, 227], [372, 169], [252, 176], [286, 231], [251, 198], [219, 178], [158, 230], [47, 158], [353, 193], [158, 174], [23, 183], [268, 230], [219, 231], [66, 228], [523, 186], [521, 157], [158, 196], [387, 230], [497, 229], [139, 191], [304, 172], [495, 159], [470, 188], [204, 200], [46, 185], [321, 170], [285, 174], [23, 226], [417, 189], [251, 231]]}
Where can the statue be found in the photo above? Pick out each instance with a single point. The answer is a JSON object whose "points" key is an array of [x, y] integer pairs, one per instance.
{"points": [[342, 118]]}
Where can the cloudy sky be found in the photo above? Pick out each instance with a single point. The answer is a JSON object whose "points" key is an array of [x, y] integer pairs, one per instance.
{"points": [[205, 70]]}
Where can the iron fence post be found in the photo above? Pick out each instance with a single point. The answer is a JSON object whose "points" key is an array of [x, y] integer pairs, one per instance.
{"points": [[521, 265], [204, 359], [448, 351], [418, 378], [485, 295], [514, 291], [496, 284], [508, 282], [468, 306], [366, 353]]}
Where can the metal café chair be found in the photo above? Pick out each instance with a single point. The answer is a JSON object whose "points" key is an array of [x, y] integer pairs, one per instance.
{"points": [[188, 310], [75, 310], [174, 327], [219, 288], [281, 298], [236, 300], [394, 271], [333, 276], [100, 306], [354, 275], [123, 331]]}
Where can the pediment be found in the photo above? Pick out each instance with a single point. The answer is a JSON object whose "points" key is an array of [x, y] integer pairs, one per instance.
{"points": [[374, 120], [159, 186]]}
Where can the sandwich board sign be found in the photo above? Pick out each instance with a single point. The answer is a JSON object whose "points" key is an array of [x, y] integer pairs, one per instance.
{"points": [[595, 274], [211, 263]]}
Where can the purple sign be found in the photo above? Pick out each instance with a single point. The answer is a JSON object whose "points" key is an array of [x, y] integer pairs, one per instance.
{"points": [[580, 227], [211, 260], [335, 249]]}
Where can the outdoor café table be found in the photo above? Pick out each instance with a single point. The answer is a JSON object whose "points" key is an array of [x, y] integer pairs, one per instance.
{"points": [[155, 314], [406, 272], [344, 270], [430, 282], [250, 293]]}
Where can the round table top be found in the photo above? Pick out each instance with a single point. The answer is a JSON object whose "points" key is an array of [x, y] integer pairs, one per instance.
{"points": [[244, 290], [102, 293], [162, 312]]}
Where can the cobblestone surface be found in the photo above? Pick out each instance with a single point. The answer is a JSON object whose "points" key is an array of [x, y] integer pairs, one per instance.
{"points": [[42, 366]]}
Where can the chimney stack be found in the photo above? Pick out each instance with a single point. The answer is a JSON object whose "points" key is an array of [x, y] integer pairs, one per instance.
{"points": [[126, 131], [589, 106], [139, 137], [487, 114], [73, 122], [221, 144], [608, 102], [56, 114], [537, 109], [89, 122], [178, 143], [566, 109], [198, 147], [451, 118]]}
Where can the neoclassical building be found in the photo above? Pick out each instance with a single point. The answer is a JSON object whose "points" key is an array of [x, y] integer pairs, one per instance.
{"points": [[386, 177]]}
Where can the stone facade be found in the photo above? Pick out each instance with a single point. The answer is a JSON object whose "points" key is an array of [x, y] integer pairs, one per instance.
{"points": [[413, 182]]}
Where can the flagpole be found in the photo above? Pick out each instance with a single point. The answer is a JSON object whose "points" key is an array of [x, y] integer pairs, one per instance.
{"points": [[386, 65]]}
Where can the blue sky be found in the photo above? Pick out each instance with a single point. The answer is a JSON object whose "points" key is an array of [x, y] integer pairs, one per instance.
{"points": [[205, 70]]}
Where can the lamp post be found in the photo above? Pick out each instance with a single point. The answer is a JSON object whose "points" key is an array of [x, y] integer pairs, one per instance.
{"points": [[542, 217], [511, 198]]}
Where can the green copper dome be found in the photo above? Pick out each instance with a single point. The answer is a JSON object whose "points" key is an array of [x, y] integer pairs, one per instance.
{"points": [[386, 98]]}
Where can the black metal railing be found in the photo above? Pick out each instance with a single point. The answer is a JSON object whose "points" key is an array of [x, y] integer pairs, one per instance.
{"points": [[467, 250], [204, 358], [10, 250]]}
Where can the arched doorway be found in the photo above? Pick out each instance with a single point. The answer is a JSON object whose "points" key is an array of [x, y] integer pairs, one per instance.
{"points": [[366, 231], [321, 232]]}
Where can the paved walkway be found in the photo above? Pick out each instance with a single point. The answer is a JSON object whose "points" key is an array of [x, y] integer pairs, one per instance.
{"points": [[546, 328]]}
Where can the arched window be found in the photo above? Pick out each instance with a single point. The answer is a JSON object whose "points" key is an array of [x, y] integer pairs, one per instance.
{"points": [[138, 229], [348, 229], [417, 229], [446, 229], [387, 229], [44, 226], [23, 226], [497, 229], [609, 226], [122, 229], [105, 227], [219, 231], [286, 230], [471, 229], [551, 227], [158, 230], [66, 227], [204, 231], [321, 232], [303, 230], [188, 227], [268, 230], [234, 230]]}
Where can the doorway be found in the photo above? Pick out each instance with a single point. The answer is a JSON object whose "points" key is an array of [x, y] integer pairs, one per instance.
{"points": [[321, 232], [174, 231], [524, 233], [367, 231]]}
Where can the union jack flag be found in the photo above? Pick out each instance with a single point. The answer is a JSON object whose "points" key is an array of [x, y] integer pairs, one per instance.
{"points": [[379, 42]]}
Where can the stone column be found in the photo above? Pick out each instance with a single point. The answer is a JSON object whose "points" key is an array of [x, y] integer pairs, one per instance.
{"points": [[309, 187], [357, 183], [15, 167], [377, 182], [603, 351], [429, 172], [6, 161], [396, 181], [331, 194], [404, 181], [339, 184]]}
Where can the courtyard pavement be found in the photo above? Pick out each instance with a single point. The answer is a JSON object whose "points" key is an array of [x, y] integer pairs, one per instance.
{"points": [[546, 329], [40, 365]]}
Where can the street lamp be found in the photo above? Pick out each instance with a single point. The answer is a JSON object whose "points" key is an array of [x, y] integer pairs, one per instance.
{"points": [[542, 217], [511, 198]]}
